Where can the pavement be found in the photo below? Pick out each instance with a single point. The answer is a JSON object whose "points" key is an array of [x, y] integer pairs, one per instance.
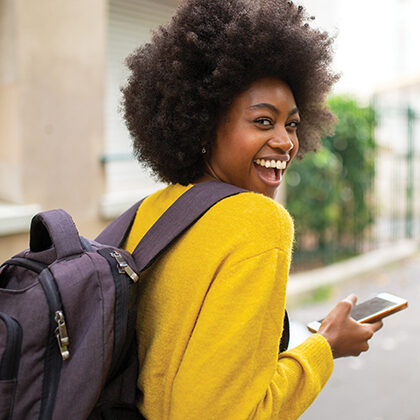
{"points": [[383, 383], [301, 284]]}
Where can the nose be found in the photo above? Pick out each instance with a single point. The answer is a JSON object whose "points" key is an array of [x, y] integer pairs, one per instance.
{"points": [[281, 140]]}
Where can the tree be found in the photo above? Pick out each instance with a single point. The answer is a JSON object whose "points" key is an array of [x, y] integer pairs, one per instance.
{"points": [[329, 192]]}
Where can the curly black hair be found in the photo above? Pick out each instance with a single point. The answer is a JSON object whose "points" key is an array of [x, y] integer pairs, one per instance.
{"points": [[187, 76]]}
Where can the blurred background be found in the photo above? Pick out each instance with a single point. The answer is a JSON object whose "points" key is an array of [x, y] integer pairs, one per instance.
{"points": [[63, 142], [365, 183], [356, 203]]}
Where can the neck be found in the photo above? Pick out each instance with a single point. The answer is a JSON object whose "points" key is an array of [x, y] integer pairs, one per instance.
{"points": [[209, 174], [210, 171]]}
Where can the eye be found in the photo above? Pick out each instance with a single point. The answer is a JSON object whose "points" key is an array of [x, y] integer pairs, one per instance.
{"points": [[293, 124], [265, 122]]}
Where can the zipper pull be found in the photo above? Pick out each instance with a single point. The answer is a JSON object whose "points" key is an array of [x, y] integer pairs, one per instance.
{"points": [[62, 335], [124, 267]]}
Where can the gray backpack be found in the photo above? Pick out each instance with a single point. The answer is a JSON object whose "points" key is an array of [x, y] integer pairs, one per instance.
{"points": [[68, 312]]}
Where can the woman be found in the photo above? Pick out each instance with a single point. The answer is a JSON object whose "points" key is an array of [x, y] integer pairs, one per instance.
{"points": [[230, 90]]}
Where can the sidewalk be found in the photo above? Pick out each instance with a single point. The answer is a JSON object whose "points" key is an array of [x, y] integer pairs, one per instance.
{"points": [[299, 285], [383, 383]]}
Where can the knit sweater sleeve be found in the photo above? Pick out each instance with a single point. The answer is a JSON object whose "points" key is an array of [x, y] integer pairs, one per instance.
{"points": [[231, 367]]}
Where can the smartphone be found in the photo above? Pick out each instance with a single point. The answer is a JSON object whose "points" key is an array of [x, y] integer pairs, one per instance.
{"points": [[371, 310]]}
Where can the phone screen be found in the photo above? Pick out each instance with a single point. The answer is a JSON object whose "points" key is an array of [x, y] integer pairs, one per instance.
{"points": [[369, 307]]}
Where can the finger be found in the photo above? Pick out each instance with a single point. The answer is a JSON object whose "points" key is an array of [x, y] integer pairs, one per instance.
{"points": [[349, 302], [365, 347], [376, 326], [352, 299]]}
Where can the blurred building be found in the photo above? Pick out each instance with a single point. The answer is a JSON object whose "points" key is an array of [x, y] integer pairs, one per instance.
{"points": [[62, 142], [377, 55], [62, 139], [398, 162], [376, 41]]}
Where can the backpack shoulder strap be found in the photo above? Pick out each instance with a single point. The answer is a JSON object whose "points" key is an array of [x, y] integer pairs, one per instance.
{"points": [[179, 217], [116, 232]]}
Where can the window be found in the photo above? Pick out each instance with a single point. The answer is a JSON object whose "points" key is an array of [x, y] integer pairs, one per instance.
{"points": [[129, 25]]}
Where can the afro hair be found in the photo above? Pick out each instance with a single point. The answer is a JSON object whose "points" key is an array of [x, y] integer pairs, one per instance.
{"points": [[187, 76]]}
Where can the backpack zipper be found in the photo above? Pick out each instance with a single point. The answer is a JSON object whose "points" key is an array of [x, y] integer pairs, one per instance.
{"points": [[9, 364], [124, 267], [62, 335], [57, 332], [123, 326], [54, 302], [54, 356], [53, 299]]}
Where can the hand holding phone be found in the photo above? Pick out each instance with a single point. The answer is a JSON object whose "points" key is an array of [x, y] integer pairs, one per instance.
{"points": [[381, 306], [348, 337]]}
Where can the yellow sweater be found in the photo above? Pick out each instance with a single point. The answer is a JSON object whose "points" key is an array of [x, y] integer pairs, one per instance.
{"points": [[211, 317]]}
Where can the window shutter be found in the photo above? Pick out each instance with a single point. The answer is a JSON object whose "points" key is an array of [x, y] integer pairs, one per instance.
{"points": [[129, 25]]}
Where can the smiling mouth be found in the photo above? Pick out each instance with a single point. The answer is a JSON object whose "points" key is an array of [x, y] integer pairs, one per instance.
{"points": [[270, 171]]}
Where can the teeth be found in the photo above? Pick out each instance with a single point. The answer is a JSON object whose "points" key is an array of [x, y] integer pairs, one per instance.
{"points": [[278, 164]]}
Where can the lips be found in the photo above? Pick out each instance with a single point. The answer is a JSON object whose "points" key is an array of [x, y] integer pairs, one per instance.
{"points": [[270, 169], [270, 176]]}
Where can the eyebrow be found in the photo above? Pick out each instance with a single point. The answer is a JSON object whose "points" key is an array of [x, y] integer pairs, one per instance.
{"points": [[273, 108]]}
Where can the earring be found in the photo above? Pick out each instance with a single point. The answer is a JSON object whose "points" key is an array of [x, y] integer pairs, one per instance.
{"points": [[203, 150]]}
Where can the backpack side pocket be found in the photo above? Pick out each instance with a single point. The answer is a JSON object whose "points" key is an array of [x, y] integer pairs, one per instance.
{"points": [[11, 337]]}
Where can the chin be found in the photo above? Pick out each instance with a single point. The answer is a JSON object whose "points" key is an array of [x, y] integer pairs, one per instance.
{"points": [[268, 193]]}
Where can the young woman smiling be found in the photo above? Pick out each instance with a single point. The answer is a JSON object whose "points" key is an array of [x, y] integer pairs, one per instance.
{"points": [[257, 140], [231, 90]]}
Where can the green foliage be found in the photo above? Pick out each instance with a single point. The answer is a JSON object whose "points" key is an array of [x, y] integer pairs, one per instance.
{"points": [[319, 294], [329, 192]]}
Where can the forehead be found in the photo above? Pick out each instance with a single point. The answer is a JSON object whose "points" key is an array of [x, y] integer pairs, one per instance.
{"points": [[267, 90]]}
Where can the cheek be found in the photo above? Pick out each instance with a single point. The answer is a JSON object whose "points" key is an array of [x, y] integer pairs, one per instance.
{"points": [[233, 150], [295, 148]]}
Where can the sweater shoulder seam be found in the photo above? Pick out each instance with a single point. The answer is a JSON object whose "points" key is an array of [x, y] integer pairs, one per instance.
{"points": [[280, 250]]}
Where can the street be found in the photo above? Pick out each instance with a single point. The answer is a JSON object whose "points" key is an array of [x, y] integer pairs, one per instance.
{"points": [[384, 383]]}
